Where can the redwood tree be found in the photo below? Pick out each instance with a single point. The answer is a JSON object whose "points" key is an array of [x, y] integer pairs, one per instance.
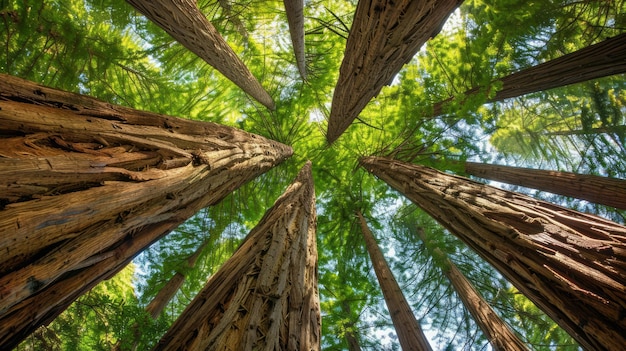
{"points": [[408, 329], [569, 264], [384, 36], [596, 189], [87, 185], [183, 20], [295, 18], [265, 296]]}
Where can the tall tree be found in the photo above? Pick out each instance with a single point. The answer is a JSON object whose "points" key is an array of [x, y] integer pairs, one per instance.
{"points": [[568, 263], [408, 329], [384, 36], [597, 189], [148, 173], [183, 20], [499, 334], [295, 18], [265, 296]]}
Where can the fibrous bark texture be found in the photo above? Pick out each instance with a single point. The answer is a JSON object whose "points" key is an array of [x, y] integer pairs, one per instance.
{"points": [[86, 185], [596, 61], [410, 334], [183, 20], [500, 335], [295, 18], [265, 296], [570, 264], [384, 36], [596, 189]]}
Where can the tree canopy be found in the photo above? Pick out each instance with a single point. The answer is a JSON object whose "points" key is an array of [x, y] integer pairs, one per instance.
{"points": [[109, 50]]}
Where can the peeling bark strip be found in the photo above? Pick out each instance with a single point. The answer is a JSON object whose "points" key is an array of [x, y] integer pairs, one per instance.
{"points": [[265, 296], [384, 36], [79, 178], [183, 20], [603, 59], [410, 334], [295, 18], [570, 264], [596, 189], [500, 335]]}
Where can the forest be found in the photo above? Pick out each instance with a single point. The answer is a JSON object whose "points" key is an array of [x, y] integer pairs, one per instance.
{"points": [[313, 174]]}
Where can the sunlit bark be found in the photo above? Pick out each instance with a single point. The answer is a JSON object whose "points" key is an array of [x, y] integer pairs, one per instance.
{"points": [[384, 36], [410, 334], [87, 185], [570, 264], [183, 20], [295, 18], [265, 296]]}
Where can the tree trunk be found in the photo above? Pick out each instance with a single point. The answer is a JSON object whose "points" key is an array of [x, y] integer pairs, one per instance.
{"points": [[570, 264], [408, 329], [596, 189], [83, 181], [295, 18], [499, 334], [351, 338], [265, 296], [183, 20], [596, 61], [384, 36]]}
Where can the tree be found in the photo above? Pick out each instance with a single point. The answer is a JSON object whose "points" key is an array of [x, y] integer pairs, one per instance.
{"points": [[499, 334], [384, 36], [265, 296], [551, 254], [407, 327], [149, 173], [295, 17], [602, 190], [183, 21]]}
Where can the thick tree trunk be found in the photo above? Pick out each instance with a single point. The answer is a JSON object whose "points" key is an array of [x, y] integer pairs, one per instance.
{"points": [[384, 36], [596, 189], [183, 20], [410, 334], [499, 334], [570, 264], [295, 18], [596, 61], [83, 181], [265, 296]]}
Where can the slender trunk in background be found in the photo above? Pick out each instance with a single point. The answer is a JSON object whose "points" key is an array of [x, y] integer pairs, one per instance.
{"points": [[86, 185], [595, 189], [183, 20], [570, 264], [351, 338], [385, 35], [265, 296], [410, 334], [603, 59], [295, 18], [500, 335]]}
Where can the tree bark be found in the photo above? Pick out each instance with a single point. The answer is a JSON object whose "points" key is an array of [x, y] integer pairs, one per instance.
{"points": [[82, 180], [570, 264], [596, 189], [408, 329], [183, 20], [499, 334], [265, 296], [351, 338], [295, 18], [384, 36], [596, 61]]}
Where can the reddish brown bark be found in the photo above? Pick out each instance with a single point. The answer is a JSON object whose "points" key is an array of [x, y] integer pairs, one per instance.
{"points": [[500, 335], [295, 18], [384, 36], [596, 189], [604, 59], [83, 181], [265, 296], [410, 334], [570, 264], [183, 20]]}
